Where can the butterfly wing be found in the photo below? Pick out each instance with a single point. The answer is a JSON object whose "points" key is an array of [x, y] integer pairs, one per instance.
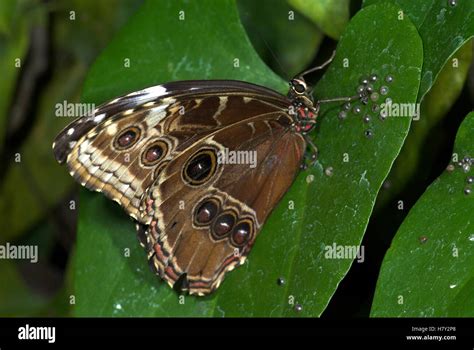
{"points": [[126, 143], [206, 214]]}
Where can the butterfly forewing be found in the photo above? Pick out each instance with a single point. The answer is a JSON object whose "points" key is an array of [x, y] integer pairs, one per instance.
{"points": [[157, 153]]}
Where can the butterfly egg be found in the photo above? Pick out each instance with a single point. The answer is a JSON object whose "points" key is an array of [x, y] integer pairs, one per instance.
{"points": [[310, 178], [453, 3], [423, 239], [374, 96], [342, 115], [364, 80], [450, 168], [329, 171], [383, 90], [470, 180], [389, 78], [357, 109], [281, 281], [368, 133], [467, 191], [373, 78], [298, 307]]}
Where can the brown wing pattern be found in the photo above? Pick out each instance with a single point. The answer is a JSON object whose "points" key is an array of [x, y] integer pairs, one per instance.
{"points": [[155, 152], [97, 161], [197, 250]]}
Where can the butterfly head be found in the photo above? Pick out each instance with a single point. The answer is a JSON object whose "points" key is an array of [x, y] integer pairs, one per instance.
{"points": [[299, 89], [304, 110]]}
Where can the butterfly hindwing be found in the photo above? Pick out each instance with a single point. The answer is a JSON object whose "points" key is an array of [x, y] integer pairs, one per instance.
{"points": [[237, 198]]}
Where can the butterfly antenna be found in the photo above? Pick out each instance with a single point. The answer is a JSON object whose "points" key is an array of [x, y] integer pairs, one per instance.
{"points": [[273, 54], [329, 100], [322, 66]]}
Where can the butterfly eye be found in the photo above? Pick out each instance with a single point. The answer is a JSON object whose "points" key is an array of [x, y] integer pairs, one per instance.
{"points": [[200, 167], [206, 212], [223, 225], [154, 153], [298, 86], [127, 138], [241, 233]]}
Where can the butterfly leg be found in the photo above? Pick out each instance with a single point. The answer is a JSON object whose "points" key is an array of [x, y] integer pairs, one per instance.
{"points": [[313, 155]]}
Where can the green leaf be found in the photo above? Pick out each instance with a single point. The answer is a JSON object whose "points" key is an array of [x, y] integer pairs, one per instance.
{"points": [[281, 37], [331, 16], [415, 161], [111, 274], [443, 29], [427, 272]]}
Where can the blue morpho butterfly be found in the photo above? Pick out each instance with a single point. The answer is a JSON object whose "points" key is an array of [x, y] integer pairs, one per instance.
{"points": [[156, 153]]}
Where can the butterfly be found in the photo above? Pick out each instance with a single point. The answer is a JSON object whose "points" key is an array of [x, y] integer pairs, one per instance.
{"points": [[157, 152]]}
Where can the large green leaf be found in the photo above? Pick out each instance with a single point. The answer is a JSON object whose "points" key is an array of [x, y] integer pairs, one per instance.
{"points": [[428, 270], [331, 16], [111, 276], [415, 161], [443, 27]]}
